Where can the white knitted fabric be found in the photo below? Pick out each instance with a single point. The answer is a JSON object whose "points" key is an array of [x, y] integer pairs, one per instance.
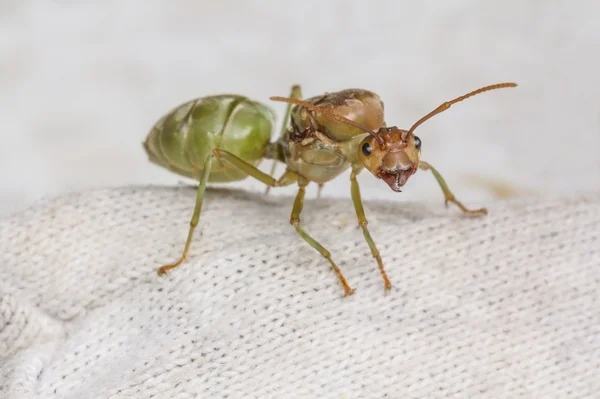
{"points": [[504, 306]]}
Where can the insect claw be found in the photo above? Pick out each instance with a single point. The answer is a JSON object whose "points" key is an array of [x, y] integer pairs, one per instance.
{"points": [[477, 212], [161, 271]]}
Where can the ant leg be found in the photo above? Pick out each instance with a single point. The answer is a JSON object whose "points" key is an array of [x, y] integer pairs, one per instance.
{"points": [[195, 217], [449, 197], [319, 189], [296, 93], [362, 221], [286, 179], [295, 221]]}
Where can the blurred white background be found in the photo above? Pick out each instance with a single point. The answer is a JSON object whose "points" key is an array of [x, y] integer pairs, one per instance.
{"points": [[81, 83]]}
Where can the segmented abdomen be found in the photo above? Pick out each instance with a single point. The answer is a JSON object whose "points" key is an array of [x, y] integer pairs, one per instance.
{"points": [[182, 139]]}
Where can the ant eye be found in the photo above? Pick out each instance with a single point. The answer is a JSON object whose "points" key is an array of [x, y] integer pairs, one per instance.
{"points": [[366, 149], [418, 143]]}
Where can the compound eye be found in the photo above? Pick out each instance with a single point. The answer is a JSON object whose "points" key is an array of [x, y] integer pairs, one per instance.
{"points": [[418, 143], [366, 149]]}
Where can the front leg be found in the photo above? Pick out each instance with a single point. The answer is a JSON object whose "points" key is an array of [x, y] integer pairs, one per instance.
{"points": [[362, 221], [449, 197]]}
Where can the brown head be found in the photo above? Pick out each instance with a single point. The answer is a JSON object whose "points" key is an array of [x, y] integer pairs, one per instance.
{"points": [[392, 154]]}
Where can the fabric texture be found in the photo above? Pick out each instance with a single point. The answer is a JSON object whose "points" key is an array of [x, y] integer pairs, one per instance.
{"points": [[504, 306]]}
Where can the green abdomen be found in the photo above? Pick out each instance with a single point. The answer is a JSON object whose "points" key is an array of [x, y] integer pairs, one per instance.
{"points": [[183, 139]]}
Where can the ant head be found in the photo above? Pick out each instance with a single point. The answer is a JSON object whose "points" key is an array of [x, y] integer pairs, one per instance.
{"points": [[395, 160], [391, 154]]}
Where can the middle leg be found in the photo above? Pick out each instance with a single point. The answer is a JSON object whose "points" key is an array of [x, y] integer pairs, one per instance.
{"points": [[295, 221], [287, 178], [319, 189]]}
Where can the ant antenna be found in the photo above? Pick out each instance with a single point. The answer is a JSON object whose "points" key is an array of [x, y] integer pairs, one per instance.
{"points": [[330, 114], [447, 104]]}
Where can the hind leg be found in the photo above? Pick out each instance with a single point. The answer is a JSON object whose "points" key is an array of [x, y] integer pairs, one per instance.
{"points": [[286, 179], [195, 217]]}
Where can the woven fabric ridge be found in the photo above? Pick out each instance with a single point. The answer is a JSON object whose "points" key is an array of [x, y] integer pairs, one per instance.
{"points": [[504, 306]]}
